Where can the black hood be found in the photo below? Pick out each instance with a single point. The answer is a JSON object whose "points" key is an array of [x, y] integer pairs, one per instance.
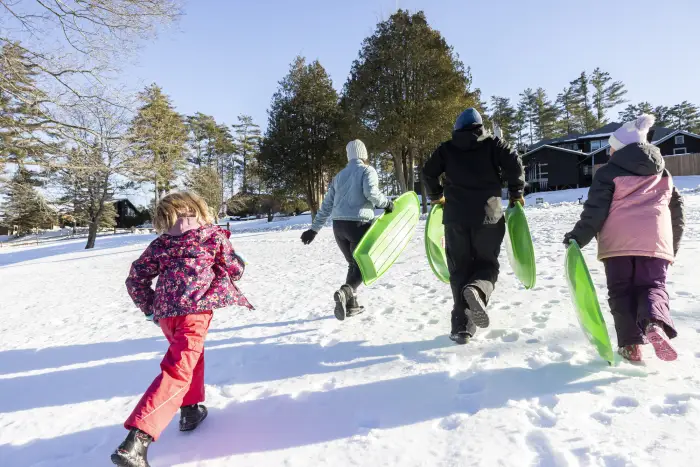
{"points": [[640, 159], [469, 137]]}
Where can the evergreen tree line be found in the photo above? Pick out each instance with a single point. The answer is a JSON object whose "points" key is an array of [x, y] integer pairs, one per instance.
{"points": [[404, 91], [402, 95], [582, 106]]}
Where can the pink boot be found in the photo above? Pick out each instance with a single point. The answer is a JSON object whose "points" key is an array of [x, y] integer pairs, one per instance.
{"points": [[662, 345], [633, 353]]}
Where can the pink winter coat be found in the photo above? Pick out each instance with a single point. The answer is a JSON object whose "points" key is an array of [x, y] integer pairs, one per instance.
{"points": [[196, 272], [633, 207]]}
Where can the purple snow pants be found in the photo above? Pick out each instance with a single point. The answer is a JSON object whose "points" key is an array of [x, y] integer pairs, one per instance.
{"points": [[637, 295]]}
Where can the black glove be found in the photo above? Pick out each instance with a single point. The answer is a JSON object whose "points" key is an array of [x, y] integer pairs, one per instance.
{"points": [[308, 236], [389, 207], [567, 239]]}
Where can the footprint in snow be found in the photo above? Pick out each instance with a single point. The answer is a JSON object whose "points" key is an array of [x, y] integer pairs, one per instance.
{"points": [[471, 386], [542, 417], [602, 418], [676, 404], [504, 335], [388, 310], [452, 422], [546, 454]]}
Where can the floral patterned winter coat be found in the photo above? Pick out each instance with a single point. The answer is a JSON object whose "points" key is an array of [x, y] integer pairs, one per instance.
{"points": [[196, 273]]}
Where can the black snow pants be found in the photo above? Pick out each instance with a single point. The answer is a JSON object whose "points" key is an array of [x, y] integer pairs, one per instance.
{"points": [[348, 234], [472, 258]]}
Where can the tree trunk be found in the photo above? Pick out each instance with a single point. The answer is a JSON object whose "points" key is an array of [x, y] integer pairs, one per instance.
{"points": [[92, 235], [411, 179], [423, 192], [398, 170]]}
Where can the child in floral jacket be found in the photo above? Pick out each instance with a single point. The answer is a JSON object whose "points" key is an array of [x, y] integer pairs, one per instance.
{"points": [[196, 268]]}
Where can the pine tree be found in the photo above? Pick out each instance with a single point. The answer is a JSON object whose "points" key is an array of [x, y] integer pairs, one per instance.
{"points": [[202, 136], [686, 116], [632, 111], [247, 148], [568, 110], [663, 116], [583, 103], [527, 109], [606, 94], [300, 152], [520, 128], [159, 138], [405, 91], [25, 130], [545, 115], [205, 181], [24, 206], [503, 114]]}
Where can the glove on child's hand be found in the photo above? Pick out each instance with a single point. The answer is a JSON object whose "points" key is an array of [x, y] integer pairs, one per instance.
{"points": [[567, 239], [389, 207]]}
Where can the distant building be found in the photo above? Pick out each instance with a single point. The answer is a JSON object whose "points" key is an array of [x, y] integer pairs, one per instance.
{"points": [[571, 161], [127, 214]]}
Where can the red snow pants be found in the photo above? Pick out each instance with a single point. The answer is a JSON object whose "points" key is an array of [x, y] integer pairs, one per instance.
{"points": [[181, 381]]}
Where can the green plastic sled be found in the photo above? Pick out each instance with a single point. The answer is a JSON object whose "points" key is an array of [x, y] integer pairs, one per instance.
{"points": [[521, 252], [435, 243], [585, 300], [387, 238]]}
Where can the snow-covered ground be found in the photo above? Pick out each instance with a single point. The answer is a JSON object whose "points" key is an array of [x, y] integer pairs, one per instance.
{"points": [[684, 184], [288, 385]]}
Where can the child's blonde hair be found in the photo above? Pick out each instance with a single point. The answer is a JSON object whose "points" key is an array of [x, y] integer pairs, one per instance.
{"points": [[180, 204]]}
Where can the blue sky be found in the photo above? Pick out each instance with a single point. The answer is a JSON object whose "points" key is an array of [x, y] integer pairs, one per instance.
{"points": [[225, 57]]}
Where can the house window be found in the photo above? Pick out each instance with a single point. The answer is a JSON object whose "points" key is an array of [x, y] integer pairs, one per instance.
{"points": [[678, 151], [680, 139], [607, 151], [595, 145]]}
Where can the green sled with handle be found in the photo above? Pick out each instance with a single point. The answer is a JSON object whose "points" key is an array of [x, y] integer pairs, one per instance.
{"points": [[585, 301], [387, 238], [521, 252], [435, 243]]}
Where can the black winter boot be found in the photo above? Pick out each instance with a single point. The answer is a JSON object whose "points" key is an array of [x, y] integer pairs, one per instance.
{"points": [[353, 307], [476, 307], [191, 416], [133, 452], [341, 297], [462, 333]]}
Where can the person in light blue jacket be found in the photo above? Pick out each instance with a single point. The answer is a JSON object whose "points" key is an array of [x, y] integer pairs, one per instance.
{"points": [[350, 202]]}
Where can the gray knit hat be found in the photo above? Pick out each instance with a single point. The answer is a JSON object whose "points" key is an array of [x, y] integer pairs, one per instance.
{"points": [[356, 150]]}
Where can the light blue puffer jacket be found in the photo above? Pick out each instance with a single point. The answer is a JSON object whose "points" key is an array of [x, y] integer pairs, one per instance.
{"points": [[352, 196]]}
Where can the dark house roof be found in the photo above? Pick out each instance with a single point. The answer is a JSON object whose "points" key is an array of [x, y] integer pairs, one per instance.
{"points": [[658, 133], [674, 133], [557, 148], [562, 139], [602, 132], [127, 202]]}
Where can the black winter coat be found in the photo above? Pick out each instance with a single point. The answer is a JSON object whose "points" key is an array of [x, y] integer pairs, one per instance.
{"points": [[475, 165]]}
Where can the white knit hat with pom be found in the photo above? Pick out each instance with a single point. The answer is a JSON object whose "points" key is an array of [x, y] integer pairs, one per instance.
{"points": [[356, 150], [632, 132]]}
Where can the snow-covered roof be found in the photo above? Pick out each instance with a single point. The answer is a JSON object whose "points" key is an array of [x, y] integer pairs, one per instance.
{"points": [[596, 136]]}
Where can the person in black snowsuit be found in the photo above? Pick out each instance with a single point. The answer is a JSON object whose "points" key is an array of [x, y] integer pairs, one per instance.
{"points": [[475, 164]]}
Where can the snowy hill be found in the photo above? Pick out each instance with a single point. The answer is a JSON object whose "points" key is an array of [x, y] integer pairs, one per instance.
{"points": [[288, 385]]}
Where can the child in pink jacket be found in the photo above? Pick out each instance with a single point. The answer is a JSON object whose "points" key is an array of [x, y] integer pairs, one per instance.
{"points": [[196, 268], [637, 215]]}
